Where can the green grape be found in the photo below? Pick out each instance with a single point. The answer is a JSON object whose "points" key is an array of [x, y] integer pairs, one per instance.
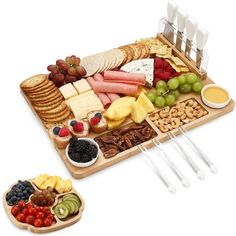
{"points": [[191, 78], [185, 88], [170, 100], [181, 79], [175, 93], [173, 83], [160, 101], [160, 91], [161, 84], [151, 96], [197, 86]]}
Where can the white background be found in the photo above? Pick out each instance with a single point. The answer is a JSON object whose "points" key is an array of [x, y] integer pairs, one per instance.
{"points": [[126, 199]]}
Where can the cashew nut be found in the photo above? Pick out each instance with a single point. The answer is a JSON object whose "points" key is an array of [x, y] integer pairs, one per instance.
{"points": [[175, 123], [199, 113], [189, 112], [154, 117], [164, 112], [173, 112], [163, 128]]}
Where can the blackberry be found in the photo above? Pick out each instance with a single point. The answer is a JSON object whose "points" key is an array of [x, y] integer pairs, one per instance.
{"points": [[85, 157], [75, 157], [92, 151], [81, 146]]}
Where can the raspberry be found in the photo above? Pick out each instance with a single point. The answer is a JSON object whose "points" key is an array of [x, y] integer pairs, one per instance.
{"points": [[78, 127], [169, 69], [95, 120], [165, 64], [165, 75], [175, 74], [64, 132]]}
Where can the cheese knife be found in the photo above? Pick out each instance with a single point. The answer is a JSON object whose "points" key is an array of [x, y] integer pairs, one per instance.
{"points": [[191, 27], [181, 21], [172, 8], [201, 39]]}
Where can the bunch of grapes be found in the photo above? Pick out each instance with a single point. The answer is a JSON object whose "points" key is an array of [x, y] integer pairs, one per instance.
{"points": [[168, 93], [66, 71]]}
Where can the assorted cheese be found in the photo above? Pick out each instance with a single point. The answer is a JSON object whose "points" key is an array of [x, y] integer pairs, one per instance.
{"points": [[82, 86], [68, 91]]}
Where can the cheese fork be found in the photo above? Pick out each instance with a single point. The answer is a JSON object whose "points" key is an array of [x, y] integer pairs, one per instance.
{"points": [[200, 174], [201, 154], [171, 164], [157, 171]]}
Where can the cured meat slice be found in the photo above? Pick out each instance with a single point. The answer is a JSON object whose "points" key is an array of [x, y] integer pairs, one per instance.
{"points": [[112, 96], [124, 77], [105, 87]]}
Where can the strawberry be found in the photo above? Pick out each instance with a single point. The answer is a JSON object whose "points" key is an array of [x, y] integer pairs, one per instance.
{"points": [[169, 69], [64, 131], [78, 127], [95, 120]]}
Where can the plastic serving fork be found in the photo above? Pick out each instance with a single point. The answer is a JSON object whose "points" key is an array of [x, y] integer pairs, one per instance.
{"points": [[157, 171], [201, 154], [171, 164], [200, 174]]}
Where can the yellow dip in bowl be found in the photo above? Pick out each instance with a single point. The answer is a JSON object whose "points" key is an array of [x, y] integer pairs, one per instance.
{"points": [[215, 96]]}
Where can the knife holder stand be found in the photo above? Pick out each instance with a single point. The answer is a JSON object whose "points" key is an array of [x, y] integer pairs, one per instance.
{"points": [[202, 56]]}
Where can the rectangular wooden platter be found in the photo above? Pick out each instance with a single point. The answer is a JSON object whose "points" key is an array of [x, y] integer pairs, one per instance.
{"points": [[103, 163]]}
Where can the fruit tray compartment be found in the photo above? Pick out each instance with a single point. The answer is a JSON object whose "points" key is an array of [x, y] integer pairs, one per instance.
{"points": [[59, 224]]}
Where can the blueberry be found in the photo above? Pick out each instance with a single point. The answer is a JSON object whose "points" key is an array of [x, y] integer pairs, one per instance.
{"points": [[20, 194], [56, 130], [26, 196], [13, 199], [73, 122], [99, 115]]}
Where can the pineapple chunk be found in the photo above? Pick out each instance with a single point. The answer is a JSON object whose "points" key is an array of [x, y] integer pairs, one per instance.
{"points": [[60, 186], [50, 182], [112, 124], [68, 185], [145, 103], [138, 113], [38, 181]]}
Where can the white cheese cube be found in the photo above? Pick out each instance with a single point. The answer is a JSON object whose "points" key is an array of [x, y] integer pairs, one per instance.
{"points": [[68, 91]]}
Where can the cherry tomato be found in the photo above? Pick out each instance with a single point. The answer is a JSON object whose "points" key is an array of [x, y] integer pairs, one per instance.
{"points": [[25, 211], [21, 204], [50, 216], [47, 222], [46, 210], [20, 217], [29, 205], [29, 219], [38, 222], [32, 211], [15, 210], [40, 215]]}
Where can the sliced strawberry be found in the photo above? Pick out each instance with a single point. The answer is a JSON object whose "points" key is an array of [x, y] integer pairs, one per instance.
{"points": [[78, 127], [64, 131]]}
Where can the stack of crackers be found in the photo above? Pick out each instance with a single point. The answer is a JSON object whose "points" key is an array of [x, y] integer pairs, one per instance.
{"points": [[46, 99], [135, 51], [158, 49]]}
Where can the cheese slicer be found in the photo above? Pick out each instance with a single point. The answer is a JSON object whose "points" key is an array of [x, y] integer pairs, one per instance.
{"points": [[181, 21]]}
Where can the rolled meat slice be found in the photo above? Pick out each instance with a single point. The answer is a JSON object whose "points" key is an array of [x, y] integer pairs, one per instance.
{"points": [[112, 96], [105, 87], [124, 77], [106, 102]]}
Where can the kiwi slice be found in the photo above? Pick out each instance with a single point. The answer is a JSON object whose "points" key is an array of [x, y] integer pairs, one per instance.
{"points": [[70, 196], [71, 206], [76, 205], [61, 211]]}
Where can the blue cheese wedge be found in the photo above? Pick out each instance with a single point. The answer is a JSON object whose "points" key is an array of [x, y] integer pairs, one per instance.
{"points": [[143, 66]]}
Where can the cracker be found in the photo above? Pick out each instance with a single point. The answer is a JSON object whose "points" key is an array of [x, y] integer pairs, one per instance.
{"points": [[48, 103], [177, 61], [57, 119], [42, 94], [55, 115], [91, 65], [33, 81], [59, 108], [47, 98], [48, 107]]}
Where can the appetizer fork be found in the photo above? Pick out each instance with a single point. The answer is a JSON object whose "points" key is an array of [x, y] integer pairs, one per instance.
{"points": [[201, 154], [200, 174], [157, 171], [171, 164]]}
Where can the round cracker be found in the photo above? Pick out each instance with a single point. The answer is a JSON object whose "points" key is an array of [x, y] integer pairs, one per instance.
{"points": [[90, 64], [55, 110], [45, 88], [33, 81], [56, 115], [137, 51], [43, 94], [48, 103], [47, 108], [47, 98], [57, 119]]}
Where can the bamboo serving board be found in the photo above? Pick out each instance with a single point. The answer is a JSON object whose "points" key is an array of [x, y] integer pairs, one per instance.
{"points": [[59, 224], [103, 163]]}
